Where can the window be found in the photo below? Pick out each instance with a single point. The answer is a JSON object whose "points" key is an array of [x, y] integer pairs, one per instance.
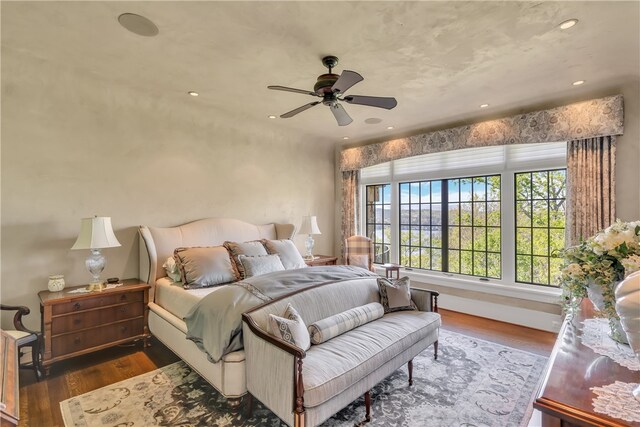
{"points": [[540, 221], [378, 219], [444, 212]]}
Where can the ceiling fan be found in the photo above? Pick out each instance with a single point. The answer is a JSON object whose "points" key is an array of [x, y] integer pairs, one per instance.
{"points": [[331, 88]]}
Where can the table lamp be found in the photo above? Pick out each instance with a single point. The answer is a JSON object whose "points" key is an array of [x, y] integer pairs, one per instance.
{"points": [[309, 227], [96, 233]]}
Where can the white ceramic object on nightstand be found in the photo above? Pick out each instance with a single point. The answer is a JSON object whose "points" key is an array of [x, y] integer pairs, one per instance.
{"points": [[56, 283], [628, 308]]}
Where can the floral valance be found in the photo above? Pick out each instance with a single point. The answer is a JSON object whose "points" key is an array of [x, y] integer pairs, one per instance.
{"points": [[588, 119]]}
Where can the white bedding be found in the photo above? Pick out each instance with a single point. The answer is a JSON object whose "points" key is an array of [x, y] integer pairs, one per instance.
{"points": [[176, 300]]}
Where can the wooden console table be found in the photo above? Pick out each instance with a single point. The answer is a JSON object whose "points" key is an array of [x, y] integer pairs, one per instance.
{"points": [[9, 412], [565, 398]]}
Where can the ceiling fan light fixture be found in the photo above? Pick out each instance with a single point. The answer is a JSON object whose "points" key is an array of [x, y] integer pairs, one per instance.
{"points": [[578, 82], [484, 105], [193, 93], [345, 137], [389, 127], [272, 116]]}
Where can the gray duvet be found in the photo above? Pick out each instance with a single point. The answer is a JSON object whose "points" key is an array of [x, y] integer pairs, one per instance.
{"points": [[215, 322]]}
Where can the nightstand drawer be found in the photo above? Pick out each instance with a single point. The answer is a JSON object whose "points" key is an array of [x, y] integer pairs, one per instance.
{"points": [[75, 321], [73, 342], [97, 301]]}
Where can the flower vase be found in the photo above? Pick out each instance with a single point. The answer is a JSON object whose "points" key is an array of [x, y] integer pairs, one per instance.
{"points": [[594, 292]]}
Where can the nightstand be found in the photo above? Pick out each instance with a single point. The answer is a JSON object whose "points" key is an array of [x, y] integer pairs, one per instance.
{"points": [[80, 323], [321, 260]]}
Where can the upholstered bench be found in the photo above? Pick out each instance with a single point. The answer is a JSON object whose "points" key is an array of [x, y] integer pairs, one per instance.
{"points": [[304, 388]]}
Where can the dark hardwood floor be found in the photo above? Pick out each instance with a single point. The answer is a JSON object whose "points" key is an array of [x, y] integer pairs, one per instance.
{"points": [[39, 401]]}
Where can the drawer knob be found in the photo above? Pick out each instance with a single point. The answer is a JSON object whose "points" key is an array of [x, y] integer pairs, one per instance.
{"points": [[124, 329], [77, 321], [123, 297], [123, 310], [77, 340], [76, 306]]}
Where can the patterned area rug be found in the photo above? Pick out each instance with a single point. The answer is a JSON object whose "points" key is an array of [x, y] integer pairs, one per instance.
{"points": [[473, 383]]}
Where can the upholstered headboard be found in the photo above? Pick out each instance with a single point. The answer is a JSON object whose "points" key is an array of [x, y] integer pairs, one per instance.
{"points": [[157, 243]]}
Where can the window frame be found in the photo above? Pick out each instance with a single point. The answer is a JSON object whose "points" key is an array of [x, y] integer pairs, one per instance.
{"points": [[507, 170]]}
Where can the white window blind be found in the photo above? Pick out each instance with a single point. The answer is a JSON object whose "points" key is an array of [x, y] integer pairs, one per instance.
{"points": [[469, 159]]}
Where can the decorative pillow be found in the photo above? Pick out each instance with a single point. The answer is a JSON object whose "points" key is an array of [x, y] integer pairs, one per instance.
{"points": [[288, 252], [395, 295], [202, 267], [359, 261], [172, 269], [253, 248], [257, 265], [325, 329], [290, 328]]}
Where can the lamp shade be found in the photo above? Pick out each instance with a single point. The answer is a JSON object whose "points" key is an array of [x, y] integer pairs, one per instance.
{"points": [[96, 233], [309, 225]]}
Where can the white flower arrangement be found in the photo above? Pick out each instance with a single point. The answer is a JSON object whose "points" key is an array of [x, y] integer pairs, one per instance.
{"points": [[604, 260]]}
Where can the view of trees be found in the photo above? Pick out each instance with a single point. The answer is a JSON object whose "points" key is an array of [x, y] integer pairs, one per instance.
{"points": [[540, 222], [454, 225]]}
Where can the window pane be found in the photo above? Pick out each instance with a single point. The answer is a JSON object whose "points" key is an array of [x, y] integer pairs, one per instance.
{"points": [[556, 240], [404, 193], [454, 237], [436, 237], [454, 214], [540, 213], [540, 241], [493, 265], [556, 213], [541, 270], [415, 192], [466, 266], [523, 186], [493, 239], [480, 264], [466, 210], [479, 188], [436, 214], [454, 261], [425, 215], [523, 241], [425, 191], [465, 190], [523, 269], [493, 214], [454, 190], [425, 258], [466, 238], [415, 214], [425, 237], [415, 236], [493, 188], [479, 214], [436, 191], [557, 184], [436, 260], [523, 214], [405, 259]]}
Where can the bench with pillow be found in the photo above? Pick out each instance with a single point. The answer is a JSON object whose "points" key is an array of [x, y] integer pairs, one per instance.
{"points": [[312, 353]]}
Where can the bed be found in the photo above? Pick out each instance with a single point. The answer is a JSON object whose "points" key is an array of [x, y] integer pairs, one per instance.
{"points": [[169, 302]]}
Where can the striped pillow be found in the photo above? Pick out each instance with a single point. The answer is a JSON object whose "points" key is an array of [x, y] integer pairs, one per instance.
{"points": [[325, 329]]}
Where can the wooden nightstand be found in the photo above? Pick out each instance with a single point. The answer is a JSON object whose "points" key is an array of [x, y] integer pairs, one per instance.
{"points": [[79, 323], [321, 260]]}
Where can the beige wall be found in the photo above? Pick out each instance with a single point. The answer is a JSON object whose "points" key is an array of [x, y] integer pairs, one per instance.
{"points": [[74, 145]]}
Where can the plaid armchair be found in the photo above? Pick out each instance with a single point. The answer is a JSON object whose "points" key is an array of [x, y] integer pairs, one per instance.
{"points": [[358, 250]]}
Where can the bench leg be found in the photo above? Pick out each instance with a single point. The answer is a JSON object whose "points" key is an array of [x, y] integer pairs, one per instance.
{"points": [[367, 405], [435, 350], [410, 367]]}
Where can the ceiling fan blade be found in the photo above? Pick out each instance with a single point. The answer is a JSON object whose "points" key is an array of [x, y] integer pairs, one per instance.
{"points": [[290, 89], [346, 80], [299, 110], [372, 101], [340, 114]]}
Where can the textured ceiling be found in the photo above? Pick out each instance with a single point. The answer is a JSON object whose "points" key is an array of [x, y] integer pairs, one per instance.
{"points": [[441, 60]]}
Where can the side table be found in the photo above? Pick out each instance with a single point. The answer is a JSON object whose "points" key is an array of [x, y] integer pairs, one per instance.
{"points": [[321, 260], [78, 323], [389, 268]]}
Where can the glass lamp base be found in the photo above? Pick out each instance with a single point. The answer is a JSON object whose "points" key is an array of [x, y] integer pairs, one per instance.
{"points": [[95, 263], [308, 244]]}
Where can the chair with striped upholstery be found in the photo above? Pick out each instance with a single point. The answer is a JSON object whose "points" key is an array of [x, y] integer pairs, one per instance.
{"points": [[358, 251]]}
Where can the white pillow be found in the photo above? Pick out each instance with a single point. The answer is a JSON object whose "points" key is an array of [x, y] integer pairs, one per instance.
{"points": [[288, 252], [290, 328], [172, 269], [359, 261], [261, 264]]}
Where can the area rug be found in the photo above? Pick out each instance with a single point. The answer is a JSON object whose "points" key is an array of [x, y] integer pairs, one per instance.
{"points": [[473, 383]]}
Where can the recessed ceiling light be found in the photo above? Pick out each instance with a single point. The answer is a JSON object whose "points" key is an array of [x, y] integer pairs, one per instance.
{"points": [[389, 127], [578, 83], [192, 93], [345, 137], [272, 116], [138, 24], [568, 24], [484, 105]]}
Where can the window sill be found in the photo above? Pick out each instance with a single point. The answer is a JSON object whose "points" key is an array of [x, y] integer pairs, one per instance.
{"points": [[514, 290]]}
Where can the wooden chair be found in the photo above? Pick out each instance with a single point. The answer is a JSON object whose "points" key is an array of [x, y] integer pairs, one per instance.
{"points": [[26, 338], [358, 250]]}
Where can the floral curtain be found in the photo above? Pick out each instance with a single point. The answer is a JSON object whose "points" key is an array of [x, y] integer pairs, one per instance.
{"points": [[350, 205], [591, 200]]}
